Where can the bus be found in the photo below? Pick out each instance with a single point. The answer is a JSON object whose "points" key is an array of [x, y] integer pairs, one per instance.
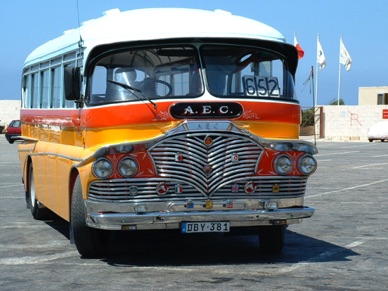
{"points": [[165, 119]]}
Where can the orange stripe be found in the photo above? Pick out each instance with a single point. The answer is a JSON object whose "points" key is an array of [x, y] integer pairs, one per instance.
{"points": [[140, 121]]}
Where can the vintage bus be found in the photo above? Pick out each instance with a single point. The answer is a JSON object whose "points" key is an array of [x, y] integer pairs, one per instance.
{"points": [[165, 119]]}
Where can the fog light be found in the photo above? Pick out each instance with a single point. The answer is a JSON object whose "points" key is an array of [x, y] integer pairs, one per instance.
{"points": [[279, 222], [140, 208], [271, 206]]}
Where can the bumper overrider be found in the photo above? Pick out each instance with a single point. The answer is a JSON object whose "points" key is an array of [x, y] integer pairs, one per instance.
{"points": [[172, 219]]}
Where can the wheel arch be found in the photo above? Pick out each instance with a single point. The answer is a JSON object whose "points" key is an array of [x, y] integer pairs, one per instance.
{"points": [[26, 176], [74, 173]]}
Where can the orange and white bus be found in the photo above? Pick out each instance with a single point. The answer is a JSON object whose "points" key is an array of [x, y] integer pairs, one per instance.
{"points": [[165, 119]]}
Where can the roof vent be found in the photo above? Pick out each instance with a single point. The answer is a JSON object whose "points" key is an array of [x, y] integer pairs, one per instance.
{"points": [[220, 11], [114, 11]]}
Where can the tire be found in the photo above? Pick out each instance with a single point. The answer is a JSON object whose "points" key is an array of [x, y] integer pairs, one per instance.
{"points": [[370, 140], [271, 238], [38, 210], [90, 242]]}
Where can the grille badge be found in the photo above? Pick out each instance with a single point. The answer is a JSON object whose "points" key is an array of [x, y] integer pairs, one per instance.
{"points": [[209, 204], [178, 157], [207, 169], [178, 189], [162, 188], [249, 187], [208, 141], [234, 158], [133, 190]]}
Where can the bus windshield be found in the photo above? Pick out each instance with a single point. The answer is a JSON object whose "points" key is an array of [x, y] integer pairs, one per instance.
{"points": [[165, 72]]}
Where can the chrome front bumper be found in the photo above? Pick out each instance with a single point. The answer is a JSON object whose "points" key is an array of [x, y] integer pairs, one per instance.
{"points": [[172, 220]]}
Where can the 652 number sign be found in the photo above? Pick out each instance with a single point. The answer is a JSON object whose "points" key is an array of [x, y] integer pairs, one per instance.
{"points": [[261, 86]]}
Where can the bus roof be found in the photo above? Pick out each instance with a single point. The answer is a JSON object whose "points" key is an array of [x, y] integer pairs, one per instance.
{"points": [[154, 24]]}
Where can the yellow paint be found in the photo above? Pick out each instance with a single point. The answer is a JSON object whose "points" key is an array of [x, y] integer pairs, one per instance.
{"points": [[57, 149]]}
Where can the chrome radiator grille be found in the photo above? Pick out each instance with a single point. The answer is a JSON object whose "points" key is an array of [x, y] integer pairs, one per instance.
{"points": [[206, 161], [120, 189], [200, 166]]}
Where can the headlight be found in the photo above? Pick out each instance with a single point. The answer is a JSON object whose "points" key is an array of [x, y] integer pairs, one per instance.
{"points": [[307, 165], [283, 165], [102, 168], [128, 167]]}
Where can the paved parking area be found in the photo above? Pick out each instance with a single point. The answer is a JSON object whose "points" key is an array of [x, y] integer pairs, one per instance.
{"points": [[342, 247]]}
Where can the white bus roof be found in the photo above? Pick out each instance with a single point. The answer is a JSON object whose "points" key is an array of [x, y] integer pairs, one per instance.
{"points": [[154, 24]]}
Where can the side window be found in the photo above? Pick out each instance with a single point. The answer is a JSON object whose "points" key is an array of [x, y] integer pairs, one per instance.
{"points": [[26, 100], [35, 91], [56, 87], [45, 85]]}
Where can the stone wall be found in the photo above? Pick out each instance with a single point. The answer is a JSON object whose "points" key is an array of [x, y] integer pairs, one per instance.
{"points": [[348, 122], [9, 110]]}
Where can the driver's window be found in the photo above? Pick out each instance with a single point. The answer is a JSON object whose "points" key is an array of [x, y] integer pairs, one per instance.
{"points": [[99, 83]]}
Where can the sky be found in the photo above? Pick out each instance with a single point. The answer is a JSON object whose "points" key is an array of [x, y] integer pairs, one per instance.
{"points": [[363, 25]]}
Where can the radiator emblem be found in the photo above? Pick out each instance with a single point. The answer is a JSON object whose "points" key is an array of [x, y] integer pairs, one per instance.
{"points": [[208, 141], [133, 190], [234, 158], [207, 169], [249, 187], [162, 188], [178, 157]]}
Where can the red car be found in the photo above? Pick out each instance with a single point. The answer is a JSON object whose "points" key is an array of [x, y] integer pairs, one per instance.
{"points": [[13, 131]]}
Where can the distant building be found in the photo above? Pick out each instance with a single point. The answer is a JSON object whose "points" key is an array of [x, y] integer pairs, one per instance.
{"points": [[9, 110], [373, 95]]}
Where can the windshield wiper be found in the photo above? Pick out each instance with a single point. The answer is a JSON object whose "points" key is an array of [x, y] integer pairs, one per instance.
{"points": [[133, 90]]}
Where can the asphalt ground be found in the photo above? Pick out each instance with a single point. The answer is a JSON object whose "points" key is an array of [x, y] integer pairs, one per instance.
{"points": [[342, 247]]}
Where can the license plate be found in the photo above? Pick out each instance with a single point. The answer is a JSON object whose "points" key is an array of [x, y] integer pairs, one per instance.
{"points": [[197, 227]]}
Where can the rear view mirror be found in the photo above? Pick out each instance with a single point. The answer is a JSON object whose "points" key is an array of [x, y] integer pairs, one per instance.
{"points": [[72, 78]]}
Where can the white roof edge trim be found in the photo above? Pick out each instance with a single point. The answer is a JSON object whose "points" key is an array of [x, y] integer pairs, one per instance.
{"points": [[162, 23]]}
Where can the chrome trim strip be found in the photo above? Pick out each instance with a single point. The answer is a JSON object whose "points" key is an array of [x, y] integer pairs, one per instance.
{"points": [[56, 155]]}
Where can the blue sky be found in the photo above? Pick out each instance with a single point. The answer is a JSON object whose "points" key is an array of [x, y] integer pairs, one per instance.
{"points": [[25, 24]]}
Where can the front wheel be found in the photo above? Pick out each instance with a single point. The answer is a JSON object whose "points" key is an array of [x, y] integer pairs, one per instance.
{"points": [[271, 238], [90, 242]]}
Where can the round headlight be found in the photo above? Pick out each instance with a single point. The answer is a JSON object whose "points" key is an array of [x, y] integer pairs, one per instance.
{"points": [[128, 167], [283, 165], [102, 168], [307, 165]]}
